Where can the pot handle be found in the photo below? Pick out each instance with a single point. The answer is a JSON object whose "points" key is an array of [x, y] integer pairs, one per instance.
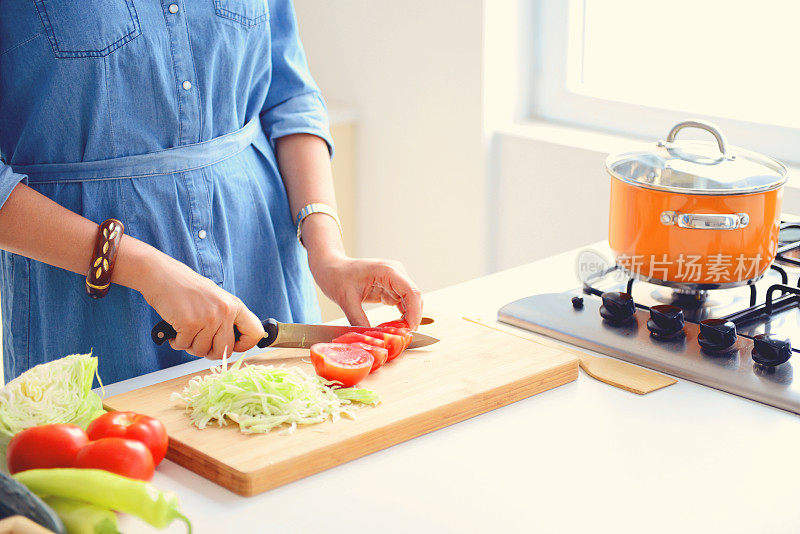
{"points": [[710, 127], [705, 221]]}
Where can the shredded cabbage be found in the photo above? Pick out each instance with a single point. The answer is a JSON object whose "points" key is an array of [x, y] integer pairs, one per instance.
{"points": [[262, 397], [55, 392]]}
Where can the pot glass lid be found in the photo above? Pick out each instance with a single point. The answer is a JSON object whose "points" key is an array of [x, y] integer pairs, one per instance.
{"points": [[698, 167]]}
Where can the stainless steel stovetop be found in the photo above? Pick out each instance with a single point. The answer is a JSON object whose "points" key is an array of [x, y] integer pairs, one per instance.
{"points": [[574, 317]]}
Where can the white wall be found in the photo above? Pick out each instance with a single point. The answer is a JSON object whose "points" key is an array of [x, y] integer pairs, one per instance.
{"points": [[547, 191], [549, 198], [449, 182], [412, 71]]}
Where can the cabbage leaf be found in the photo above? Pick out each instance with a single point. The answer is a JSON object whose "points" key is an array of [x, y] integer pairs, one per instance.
{"points": [[55, 392]]}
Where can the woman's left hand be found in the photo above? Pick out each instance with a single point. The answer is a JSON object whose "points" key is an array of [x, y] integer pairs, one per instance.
{"points": [[305, 167], [350, 282]]}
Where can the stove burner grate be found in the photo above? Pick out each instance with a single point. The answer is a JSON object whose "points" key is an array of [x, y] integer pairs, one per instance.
{"points": [[735, 340], [789, 244], [788, 254]]}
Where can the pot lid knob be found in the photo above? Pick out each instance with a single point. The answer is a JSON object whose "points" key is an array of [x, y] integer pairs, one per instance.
{"points": [[771, 350], [717, 335], [617, 307], [666, 321]]}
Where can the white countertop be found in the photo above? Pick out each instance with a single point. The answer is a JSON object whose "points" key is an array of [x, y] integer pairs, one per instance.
{"points": [[582, 458]]}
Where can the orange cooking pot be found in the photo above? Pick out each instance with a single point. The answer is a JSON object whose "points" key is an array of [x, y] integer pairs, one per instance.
{"points": [[695, 214]]}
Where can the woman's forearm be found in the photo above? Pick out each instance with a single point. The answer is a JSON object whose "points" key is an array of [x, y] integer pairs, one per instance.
{"points": [[202, 314], [32, 225], [305, 167], [349, 282]]}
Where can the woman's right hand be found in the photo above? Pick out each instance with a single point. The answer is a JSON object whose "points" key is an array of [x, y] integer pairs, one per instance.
{"points": [[202, 313]]}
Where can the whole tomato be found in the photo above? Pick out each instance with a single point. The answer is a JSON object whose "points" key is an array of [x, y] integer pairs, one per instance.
{"points": [[132, 425], [126, 457], [44, 447]]}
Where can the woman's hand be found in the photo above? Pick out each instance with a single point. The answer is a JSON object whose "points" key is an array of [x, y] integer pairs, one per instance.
{"points": [[202, 313], [305, 167], [349, 282]]}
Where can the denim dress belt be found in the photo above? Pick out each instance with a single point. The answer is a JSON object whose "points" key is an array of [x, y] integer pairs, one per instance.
{"points": [[168, 161]]}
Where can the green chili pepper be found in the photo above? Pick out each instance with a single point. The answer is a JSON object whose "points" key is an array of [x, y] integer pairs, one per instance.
{"points": [[83, 518], [108, 490]]}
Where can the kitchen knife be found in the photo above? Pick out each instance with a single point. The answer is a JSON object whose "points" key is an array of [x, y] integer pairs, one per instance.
{"points": [[293, 335]]}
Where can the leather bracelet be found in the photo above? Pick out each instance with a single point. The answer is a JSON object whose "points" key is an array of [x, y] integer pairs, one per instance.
{"points": [[98, 279], [316, 207]]}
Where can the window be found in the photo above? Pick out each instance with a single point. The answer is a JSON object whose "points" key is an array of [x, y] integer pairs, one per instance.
{"points": [[639, 67]]}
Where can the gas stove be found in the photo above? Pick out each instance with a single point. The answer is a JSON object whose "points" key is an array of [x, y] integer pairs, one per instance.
{"points": [[743, 340]]}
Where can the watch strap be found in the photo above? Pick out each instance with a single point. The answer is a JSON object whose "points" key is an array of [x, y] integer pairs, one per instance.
{"points": [[315, 207]]}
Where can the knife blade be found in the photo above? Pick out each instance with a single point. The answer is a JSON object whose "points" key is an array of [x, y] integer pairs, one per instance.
{"points": [[291, 335]]}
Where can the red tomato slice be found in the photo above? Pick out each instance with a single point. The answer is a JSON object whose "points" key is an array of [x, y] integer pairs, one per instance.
{"points": [[355, 337], [374, 346], [44, 447], [380, 354], [132, 425], [342, 363], [398, 323], [404, 333], [394, 343], [126, 457]]}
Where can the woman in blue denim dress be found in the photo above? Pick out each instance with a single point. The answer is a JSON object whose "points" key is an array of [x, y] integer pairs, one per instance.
{"points": [[195, 123]]}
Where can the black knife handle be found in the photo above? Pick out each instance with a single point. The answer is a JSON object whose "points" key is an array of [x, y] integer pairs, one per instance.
{"points": [[164, 331], [271, 328]]}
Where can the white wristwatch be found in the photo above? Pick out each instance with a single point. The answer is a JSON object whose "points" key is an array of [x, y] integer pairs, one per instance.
{"points": [[316, 207]]}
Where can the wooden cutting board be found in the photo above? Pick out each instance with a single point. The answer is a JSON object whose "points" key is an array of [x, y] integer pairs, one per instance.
{"points": [[472, 370]]}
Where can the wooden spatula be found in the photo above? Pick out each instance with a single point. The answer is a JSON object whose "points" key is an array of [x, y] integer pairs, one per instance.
{"points": [[615, 372], [623, 375]]}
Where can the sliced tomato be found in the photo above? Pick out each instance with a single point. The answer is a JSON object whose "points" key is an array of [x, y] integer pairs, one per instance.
{"points": [[380, 354], [394, 343], [404, 333], [341, 362], [398, 323], [398, 327], [355, 337], [374, 346]]}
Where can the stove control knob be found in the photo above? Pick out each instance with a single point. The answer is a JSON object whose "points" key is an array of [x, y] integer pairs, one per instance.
{"points": [[617, 307], [771, 350], [666, 321], [717, 335]]}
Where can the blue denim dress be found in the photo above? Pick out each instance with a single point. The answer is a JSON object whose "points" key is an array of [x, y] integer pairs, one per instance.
{"points": [[164, 115]]}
